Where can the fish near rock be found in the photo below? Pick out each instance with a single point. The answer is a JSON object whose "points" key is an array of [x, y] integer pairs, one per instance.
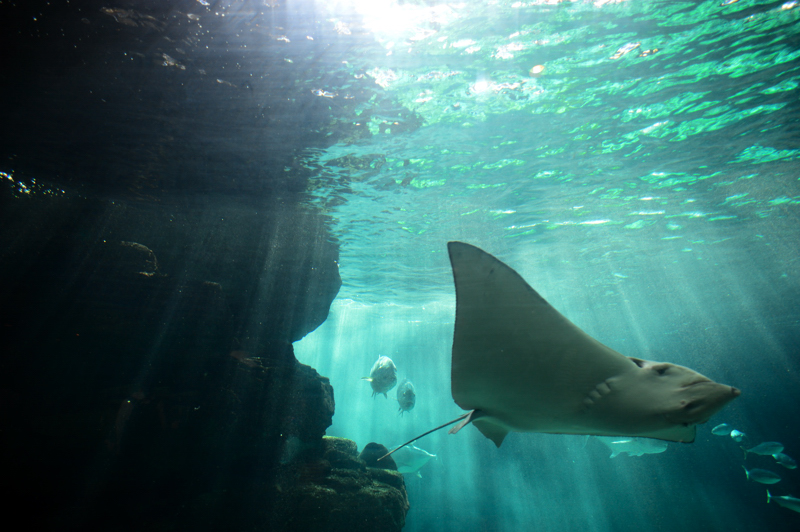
{"points": [[382, 376], [406, 396]]}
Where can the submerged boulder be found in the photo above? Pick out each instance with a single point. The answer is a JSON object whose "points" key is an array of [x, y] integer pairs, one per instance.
{"points": [[372, 454], [336, 491]]}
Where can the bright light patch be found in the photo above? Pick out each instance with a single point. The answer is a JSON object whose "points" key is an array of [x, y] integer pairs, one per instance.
{"points": [[390, 21], [479, 86]]}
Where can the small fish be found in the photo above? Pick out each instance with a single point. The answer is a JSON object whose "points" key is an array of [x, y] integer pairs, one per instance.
{"points": [[721, 430], [738, 436], [382, 376], [787, 501], [785, 460], [410, 459], [765, 449], [633, 446], [406, 396], [123, 415], [761, 475], [245, 358]]}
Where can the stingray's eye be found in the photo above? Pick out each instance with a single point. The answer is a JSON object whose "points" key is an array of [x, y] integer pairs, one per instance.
{"points": [[661, 370], [637, 361]]}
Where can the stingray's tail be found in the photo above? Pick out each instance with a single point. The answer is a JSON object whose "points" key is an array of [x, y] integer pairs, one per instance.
{"points": [[466, 417]]}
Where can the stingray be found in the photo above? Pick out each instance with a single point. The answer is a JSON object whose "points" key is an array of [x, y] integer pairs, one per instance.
{"points": [[519, 365]]}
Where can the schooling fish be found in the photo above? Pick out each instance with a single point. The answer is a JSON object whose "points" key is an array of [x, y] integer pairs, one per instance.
{"points": [[382, 376], [721, 430], [519, 365], [738, 436], [785, 460], [761, 475], [787, 501], [406, 396], [765, 449]]}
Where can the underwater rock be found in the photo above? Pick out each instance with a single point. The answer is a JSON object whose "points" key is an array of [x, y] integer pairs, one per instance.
{"points": [[140, 375], [276, 265], [372, 452], [342, 453], [332, 495], [127, 145]]}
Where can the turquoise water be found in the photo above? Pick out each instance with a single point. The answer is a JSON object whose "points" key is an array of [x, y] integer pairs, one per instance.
{"points": [[637, 163]]}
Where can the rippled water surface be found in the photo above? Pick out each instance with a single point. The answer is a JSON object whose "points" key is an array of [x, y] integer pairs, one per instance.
{"points": [[638, 164], [657, 127]]}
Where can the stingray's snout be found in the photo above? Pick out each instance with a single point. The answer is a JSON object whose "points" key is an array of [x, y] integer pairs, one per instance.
{"points": [[735, 392]]}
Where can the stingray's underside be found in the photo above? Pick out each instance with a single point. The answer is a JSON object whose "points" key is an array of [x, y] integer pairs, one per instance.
{"points": [[522, 366], [519, 365]]}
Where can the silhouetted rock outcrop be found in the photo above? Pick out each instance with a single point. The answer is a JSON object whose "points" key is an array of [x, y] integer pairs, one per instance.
{"points": [[338, 492], [134, 385]]}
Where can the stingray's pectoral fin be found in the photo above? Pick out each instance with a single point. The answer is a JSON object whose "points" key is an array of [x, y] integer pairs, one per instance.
{"points": [[489, 428]]}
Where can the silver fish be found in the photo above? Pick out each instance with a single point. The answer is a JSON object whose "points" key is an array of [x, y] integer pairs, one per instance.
{"points": [[787, 501], [738, 436], [406, 396], [382, 376], [633, 446], [721, 430], [761, 475], [765, 449], [785, 460]]}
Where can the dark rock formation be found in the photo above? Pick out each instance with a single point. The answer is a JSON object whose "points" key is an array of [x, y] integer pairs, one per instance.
{"points": [[159, 255], [372, 454], [135, 382], [276, 265], [338, 492], [133, 98]]}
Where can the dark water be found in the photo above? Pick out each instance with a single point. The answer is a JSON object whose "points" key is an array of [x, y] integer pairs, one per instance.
{"points": [[638, 163]]}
